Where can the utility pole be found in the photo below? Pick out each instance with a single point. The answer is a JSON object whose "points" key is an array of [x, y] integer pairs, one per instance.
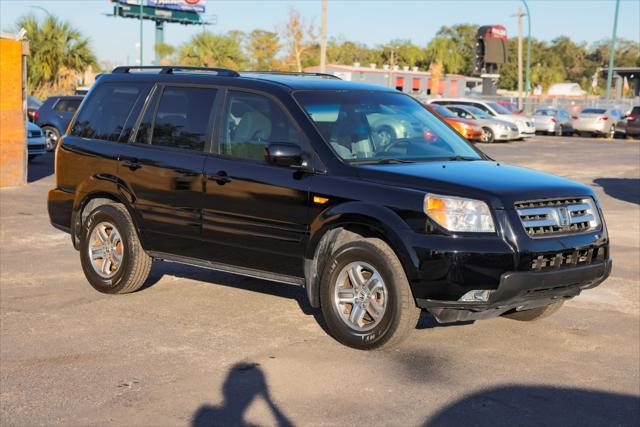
{"points": [[612, 51], [527, 78], [520, 101], [323, 39], [141, 13]]}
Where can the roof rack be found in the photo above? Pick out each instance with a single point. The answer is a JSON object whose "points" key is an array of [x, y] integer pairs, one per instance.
{"points": [[295, 73], [170, 69]]}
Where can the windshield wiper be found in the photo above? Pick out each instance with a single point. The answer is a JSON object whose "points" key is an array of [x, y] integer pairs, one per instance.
{"points": [[461, 158], [381, 161]]}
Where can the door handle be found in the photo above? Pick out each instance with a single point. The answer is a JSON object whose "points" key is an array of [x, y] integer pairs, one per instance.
{"points": [[132, 164], [221, 178]]}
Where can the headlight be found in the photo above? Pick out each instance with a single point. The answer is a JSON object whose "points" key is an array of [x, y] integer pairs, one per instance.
{"points": [[29, 134], [459, 214]]}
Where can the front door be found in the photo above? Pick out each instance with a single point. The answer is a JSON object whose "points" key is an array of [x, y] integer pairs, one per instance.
{"points": [[256, 214], [163, 167]]}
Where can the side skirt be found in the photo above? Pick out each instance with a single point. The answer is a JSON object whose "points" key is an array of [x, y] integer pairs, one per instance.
{"points": [[242, 271]]}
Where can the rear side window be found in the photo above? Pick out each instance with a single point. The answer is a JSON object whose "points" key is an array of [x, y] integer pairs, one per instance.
{"points": [[183, 116], [106, 111], [67, 105]]}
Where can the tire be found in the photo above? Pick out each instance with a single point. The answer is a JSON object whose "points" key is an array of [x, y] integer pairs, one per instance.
{"points": [[558, 130], [489, 137], [51, 137], [611, 133], [134, 264], [400, 314], [534, 313]]}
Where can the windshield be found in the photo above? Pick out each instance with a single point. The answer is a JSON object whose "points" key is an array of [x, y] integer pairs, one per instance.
{"points": [[498, 108], [443, 111], [545, 113], [376, 127], [593, 111], [481, 114]]}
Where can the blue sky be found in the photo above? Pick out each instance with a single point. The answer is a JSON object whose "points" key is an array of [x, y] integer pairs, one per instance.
{"points": [[371, 22]]}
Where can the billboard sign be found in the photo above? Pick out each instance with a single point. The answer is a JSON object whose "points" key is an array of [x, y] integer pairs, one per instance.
{"points": [[181, 5]]}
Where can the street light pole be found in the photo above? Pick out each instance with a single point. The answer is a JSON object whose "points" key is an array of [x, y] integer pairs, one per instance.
{"points": [[141, 12], [527, 80], [612, 51]]}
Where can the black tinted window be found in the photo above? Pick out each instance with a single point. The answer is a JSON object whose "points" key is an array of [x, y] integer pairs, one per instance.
{"points": [[67, 105], [144, 129], [183, 117], [253, 121], [106, 111]]}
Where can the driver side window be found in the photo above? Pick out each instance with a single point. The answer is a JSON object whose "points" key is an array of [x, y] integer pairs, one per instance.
{"points": [[252, 122]]}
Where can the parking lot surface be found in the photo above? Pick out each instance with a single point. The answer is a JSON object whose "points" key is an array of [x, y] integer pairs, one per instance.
{"points": [[199, 347]]}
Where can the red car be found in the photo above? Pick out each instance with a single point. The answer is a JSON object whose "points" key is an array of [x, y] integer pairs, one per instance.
{"points": [[467, 128]]}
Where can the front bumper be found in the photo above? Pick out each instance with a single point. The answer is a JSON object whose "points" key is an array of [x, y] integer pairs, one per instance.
{"points": [[522, 290]]}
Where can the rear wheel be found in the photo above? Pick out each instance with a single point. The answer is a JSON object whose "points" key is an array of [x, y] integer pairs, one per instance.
{"points": [[111, 255], [534, 313], [488, 136], [612, 132], [365, 296]]}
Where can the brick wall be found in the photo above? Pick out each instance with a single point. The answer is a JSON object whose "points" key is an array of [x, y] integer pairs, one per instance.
{"points": [[12, 124]]}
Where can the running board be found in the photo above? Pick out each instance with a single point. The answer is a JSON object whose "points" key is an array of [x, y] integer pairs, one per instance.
{"points": [[225, 268]]}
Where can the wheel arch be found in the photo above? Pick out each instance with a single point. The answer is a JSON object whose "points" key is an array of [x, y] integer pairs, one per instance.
{"points": [[349, 222], [90, 201]]}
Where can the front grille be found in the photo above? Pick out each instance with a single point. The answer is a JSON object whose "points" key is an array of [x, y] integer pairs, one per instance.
{"points": [[569, 258], [546, 218], [35, 133]]}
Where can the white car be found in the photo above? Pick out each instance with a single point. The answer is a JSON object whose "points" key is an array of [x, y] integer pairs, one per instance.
{"points": [[526, 127], [36, 145]]}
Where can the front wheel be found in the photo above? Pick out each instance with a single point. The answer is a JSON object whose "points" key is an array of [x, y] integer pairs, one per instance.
{"points": [[365, 296], [534, 313], [488, 136], [51, 137], [112, 257]]}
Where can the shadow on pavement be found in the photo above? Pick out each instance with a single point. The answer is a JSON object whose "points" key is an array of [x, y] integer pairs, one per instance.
{"points": [[626, 189], [244, 383], [40, 167], [537, 406], [161, 268]]}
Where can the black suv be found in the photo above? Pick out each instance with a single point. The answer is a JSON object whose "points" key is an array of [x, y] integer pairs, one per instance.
{"points": [[356, 192]]}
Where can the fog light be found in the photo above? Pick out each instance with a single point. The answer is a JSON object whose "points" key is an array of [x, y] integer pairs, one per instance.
{"points": [[477, 295]]}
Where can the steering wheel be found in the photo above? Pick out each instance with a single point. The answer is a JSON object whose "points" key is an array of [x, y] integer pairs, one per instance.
{"points": [[397, 142]]}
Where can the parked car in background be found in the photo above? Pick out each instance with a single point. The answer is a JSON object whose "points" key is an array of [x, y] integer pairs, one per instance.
{"points": [[596, 121], [525, 125], [33, 104], [493, 129], [556, 121], [36, 145], [54, 116], [467, 128], [511, 106], [81, 90], [632, 128]]}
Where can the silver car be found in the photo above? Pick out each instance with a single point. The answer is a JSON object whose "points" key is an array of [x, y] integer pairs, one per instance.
{"points": [[36, 145], [556, 121], [494, 129], [597, 120]]}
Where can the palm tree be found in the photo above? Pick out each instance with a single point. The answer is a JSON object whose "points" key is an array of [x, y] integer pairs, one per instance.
{"points": [[210, 50], [58, 53]]}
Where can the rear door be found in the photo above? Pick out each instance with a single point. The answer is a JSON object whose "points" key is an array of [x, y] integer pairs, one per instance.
{"points": [[256, 214], [162, 166]]}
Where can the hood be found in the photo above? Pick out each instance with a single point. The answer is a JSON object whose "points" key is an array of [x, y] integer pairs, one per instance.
{"points": [[32, 126], [500, 184], [463, 121]]}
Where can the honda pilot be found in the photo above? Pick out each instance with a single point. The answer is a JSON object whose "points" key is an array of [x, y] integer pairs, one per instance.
{"points": [[285, 177]]}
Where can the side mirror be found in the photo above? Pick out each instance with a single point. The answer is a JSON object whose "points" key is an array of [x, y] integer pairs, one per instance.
{"points": [[283, 154]]}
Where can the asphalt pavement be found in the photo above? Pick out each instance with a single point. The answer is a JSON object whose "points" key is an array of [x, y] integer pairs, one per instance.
{"points": [[201, 348]]}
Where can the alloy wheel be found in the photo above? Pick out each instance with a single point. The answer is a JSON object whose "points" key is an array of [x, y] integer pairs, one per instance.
{"points": [[50, 138], [106, 249], [360, 296]]}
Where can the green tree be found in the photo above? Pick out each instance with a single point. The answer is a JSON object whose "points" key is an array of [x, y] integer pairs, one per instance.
{"points": [[340, 51], [405, 53], [211, 50], [262, 47], [442, 50], [59, 54], [463, 37], [165, 51]]}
